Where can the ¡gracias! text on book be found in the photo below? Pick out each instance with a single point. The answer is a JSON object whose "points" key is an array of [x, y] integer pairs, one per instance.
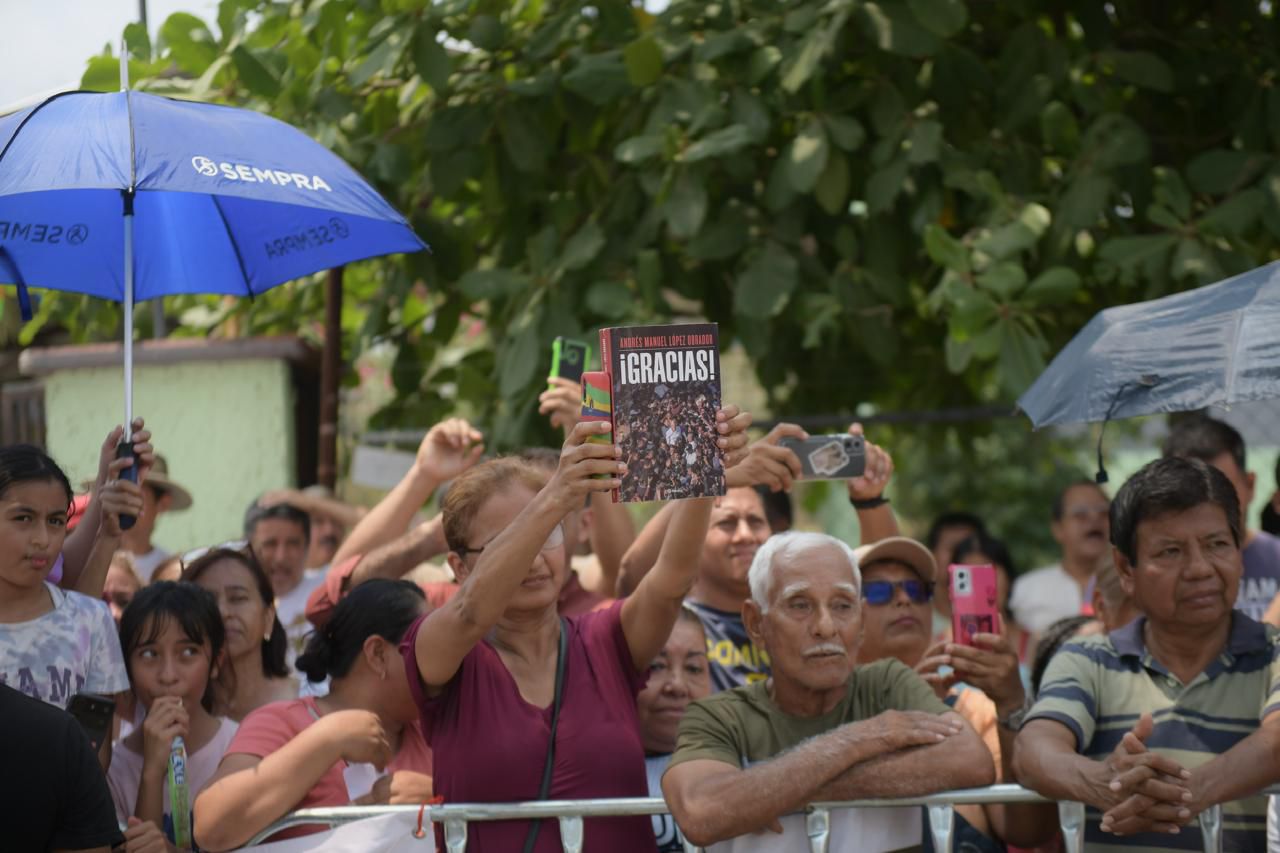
{"points": [[669, 364]]}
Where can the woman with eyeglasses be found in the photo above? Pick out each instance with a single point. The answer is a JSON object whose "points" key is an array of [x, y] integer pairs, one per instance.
{"points": [[256, 641], [484, 666]]}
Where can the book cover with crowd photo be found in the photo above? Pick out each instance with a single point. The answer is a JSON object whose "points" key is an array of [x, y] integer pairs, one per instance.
{"points": [[665, 384]]}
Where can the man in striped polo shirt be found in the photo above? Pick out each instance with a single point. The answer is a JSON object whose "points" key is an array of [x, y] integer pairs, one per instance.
{"points": [[1177, 711]]}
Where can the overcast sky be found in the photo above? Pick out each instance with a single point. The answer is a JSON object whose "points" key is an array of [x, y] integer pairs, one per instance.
{"points": [[44, 44]]}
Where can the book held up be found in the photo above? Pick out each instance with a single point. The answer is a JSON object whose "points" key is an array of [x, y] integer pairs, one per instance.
{"points": [[664, 395]]}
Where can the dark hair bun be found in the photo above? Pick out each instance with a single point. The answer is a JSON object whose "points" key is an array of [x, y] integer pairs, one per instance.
{"points": [[316, 661]]}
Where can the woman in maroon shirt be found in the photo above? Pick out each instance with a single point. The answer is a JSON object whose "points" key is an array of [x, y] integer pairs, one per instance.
{"points": [[483, 667]]}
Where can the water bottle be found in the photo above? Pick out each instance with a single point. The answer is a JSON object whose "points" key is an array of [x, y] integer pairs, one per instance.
{"points": [[179, 795]]}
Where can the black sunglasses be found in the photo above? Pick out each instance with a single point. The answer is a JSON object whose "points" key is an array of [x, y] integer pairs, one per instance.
{"points": [[882, 592]]}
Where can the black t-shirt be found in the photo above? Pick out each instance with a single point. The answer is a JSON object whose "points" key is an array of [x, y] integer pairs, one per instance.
{"points": [[735, 660], [53, 793]]}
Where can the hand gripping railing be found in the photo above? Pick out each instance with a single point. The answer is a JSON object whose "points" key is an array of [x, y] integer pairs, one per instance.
{"points": [[570, 813]]}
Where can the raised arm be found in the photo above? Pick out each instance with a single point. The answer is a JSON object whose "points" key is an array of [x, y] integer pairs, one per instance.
{"points": [[650, 612], [344, 513], [449, 633], [448, 449], [712, 800], [79, 543], [644, 551], [114, 498], [249, 793], [874, 522]]}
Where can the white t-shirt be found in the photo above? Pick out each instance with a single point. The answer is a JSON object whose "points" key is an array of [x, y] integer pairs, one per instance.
{"points": [[291, 608], [71, 649], [147, 563], [125, 771], [664, 825], [1044, 596]]}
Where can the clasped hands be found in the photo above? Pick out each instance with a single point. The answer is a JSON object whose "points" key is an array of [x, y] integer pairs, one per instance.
{"points": [[1147, 792]]}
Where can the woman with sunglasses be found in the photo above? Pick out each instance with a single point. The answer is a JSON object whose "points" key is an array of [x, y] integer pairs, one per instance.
{"points": [[483, 667], [898, 577], [256, 642]]}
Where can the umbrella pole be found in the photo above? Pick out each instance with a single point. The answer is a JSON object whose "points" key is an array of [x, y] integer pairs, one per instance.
{"points": [[128, 316]]}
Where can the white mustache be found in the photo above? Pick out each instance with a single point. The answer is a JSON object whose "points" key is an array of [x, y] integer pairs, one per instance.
{"points": [[826, 649]]}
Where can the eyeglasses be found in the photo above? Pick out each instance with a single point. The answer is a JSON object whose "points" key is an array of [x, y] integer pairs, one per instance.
{"points": [[238, 545], [882, 592], [555, 539]]}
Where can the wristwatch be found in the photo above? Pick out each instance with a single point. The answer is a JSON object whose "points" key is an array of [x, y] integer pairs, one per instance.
{"points": [[1014, 721], [869, 503]]}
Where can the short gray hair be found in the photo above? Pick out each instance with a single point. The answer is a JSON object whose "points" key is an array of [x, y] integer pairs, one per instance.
{"points": [[792, 544]]}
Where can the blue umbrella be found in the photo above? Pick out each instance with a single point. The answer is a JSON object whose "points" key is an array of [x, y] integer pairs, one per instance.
{"points": [[1217, 345], [130, 196]]}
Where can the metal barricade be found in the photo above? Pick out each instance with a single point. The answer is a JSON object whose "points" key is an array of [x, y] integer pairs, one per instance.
{"points": [[940, 809]]}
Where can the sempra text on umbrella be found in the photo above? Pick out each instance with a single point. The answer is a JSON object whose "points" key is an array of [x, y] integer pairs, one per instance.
{"points": [[308, 238], [254, 175], [43, 232]]}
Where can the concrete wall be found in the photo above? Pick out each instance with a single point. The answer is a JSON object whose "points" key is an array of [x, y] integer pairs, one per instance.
{"points": [[225, 427]]}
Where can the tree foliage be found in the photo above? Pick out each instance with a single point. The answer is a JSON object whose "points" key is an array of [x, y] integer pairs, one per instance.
{"points": [[903, 203]]}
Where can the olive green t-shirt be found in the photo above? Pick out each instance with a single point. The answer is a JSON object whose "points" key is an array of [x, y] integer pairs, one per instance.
{"points": [[743, 726]]}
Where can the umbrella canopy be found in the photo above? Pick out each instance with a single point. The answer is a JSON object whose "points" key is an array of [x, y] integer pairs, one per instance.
{"points": [[1217, 345], [224, 200]]}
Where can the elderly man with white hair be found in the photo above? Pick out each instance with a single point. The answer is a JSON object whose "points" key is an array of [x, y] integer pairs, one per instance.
{"points": [[817, 729]]}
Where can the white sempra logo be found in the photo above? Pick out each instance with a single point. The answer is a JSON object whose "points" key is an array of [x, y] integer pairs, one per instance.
{"points": [[255, 175]]}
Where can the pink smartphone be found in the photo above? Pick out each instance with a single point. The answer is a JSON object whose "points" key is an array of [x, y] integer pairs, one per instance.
{"points": [[974, 602]]}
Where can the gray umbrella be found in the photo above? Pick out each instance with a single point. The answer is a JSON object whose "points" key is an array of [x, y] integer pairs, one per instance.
{"points": [[1217, 345]]}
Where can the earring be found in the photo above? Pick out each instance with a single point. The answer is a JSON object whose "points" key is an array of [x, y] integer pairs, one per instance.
{"points": [[266, 638], [383, 675]]}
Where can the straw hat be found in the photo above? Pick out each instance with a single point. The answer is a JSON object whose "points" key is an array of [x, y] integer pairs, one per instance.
{"points": [[158, 479]]}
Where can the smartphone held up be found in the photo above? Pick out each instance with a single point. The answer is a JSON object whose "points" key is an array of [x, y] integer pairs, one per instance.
{"points": [[975, 605]]}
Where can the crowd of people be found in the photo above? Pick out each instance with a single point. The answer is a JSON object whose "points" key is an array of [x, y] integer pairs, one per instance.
{"points": [[528, 642]]}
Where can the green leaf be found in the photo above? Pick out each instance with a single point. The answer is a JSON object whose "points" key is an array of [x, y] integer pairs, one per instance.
{"points": [[1021, 359], [971, 312], [1192, 259], [1004, 279], [256, 76], [846, 131], [600, 79], [1083, 201], [958, 354], [722, 239], [1115, 140], [1160, 215], [802, 61], [103, 73], [945, 250], [763, 61], [492, 283], [1054, 286], [686, 206], [137, 41], [1235, 215], [885, 184], [893, 28], [832, 190], [610, 299], [380, 62], [749, 110], [583, 247], [486, 32], [1222, 171], [943, 18], [524, 139], [718, 143], [1172, 192], [1058, 127], [519, 361], [1140, 68], [1007, 240], [638, 149], [765, 286], [643, 58], [189, 42], [431, 60], [925, 142], [806, 157]]}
